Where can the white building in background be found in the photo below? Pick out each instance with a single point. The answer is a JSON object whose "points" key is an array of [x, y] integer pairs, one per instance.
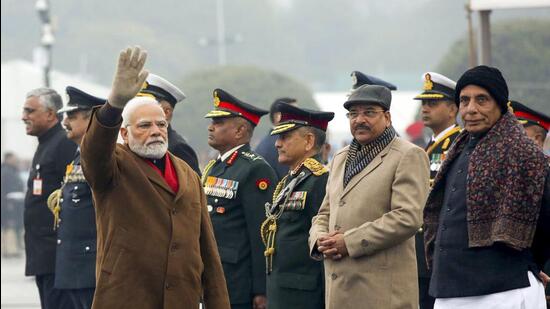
{"points": [[403, 111], [18, 78]]}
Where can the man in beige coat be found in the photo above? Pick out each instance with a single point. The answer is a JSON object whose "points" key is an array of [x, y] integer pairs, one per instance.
{"points": [[372, 208], [155, 245]]}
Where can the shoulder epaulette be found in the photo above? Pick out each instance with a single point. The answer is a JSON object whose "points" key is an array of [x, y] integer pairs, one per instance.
{"points": [[250, 155], [315, 167]]}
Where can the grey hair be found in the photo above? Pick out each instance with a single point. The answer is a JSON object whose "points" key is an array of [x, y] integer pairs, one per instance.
{"points": [[48, 97], [133, 104]]}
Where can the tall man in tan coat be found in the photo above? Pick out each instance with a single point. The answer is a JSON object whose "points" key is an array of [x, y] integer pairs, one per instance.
{"points": [[155, 245], [372, 208]]}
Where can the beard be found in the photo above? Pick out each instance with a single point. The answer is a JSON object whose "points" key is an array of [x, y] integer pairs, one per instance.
{"points": [[152, 151]]}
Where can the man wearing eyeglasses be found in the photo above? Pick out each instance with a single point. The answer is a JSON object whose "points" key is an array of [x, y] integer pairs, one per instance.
{"points": [[375, 193]]}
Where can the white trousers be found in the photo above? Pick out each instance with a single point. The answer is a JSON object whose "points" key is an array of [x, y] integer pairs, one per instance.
{"points": [[531, 297]]}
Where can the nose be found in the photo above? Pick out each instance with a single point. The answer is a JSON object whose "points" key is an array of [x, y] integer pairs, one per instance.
{"points": [[210, 128], [278, 143], [65, 122]]}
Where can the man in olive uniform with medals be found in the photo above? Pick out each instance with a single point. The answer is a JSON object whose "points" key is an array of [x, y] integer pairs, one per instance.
{"points": [[439, 114], [237, 186], [73, 209], [294, 280]]}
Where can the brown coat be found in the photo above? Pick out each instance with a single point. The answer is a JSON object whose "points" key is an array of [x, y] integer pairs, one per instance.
{"points": [[155, 249], [379, 212]]}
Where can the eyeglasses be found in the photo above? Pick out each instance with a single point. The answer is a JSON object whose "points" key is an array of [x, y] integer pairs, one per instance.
{"points": [[147, 125], [369, 113]]}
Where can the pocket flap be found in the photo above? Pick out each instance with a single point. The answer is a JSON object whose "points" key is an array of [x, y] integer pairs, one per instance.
{"points": [[298, 281]]}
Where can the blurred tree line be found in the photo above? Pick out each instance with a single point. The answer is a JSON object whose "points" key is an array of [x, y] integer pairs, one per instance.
{"points": [[523, 56], [250, 84]]}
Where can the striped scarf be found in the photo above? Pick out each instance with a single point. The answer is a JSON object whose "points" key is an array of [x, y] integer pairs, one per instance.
{"points": [[360, 156]]}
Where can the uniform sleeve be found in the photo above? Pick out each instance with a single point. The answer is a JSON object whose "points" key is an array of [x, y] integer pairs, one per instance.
{"points": [[409, 192], [98, 153], [319, 223], [214, 287], [253, 201]]}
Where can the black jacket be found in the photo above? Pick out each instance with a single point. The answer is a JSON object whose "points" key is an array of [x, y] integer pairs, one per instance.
{"points": [[55, 151], [179, 147]]}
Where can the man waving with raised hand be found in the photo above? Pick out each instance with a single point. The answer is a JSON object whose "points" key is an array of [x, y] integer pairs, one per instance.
{"points": [[155, 246]]}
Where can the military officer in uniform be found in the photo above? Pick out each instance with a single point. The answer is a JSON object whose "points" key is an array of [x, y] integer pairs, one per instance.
{"points": [[237, 186], [536, 124], [439, 114], [73, 209], [294, 280], [168, 96]]}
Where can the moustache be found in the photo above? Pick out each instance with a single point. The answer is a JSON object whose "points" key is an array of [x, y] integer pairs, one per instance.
{"points": [[362, 126], [156, 140]]}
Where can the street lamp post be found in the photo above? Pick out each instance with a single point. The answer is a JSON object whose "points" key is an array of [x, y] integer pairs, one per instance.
{"points": [[47, 39]]}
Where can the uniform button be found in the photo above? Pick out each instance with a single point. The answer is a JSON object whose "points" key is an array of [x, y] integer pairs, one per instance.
{"points": [[337, 227], [333, 276], [467, 153], [174, 211], [168, 286], [215, 200], [61, 200], [87, 248], [364, 243], [453, 189], [75, 187], [59, 241], [342, 203], [460, 171], [441, 249], [448, 209]]}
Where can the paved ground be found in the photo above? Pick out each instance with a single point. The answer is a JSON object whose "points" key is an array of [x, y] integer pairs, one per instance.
{"points": [[17, 291]]}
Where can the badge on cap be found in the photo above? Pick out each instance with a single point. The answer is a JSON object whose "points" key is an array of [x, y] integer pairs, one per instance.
{"points": [[428, 84], [353, 79], [216, 99], [262, 184]]}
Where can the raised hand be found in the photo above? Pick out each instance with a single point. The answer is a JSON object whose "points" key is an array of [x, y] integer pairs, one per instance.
{"points": [[129, 76]]}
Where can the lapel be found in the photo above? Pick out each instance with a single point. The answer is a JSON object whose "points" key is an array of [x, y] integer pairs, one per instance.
{"points": [[368, 169], [153, 175]]}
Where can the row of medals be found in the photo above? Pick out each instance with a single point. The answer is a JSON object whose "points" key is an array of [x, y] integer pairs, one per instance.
{"points": [[220, 187]]}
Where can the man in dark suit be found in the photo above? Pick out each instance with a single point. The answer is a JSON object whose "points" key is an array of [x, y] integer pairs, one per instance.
{"points": [[50, 160], [73, 209], [295, 280], [168, 95], [237, 186]]}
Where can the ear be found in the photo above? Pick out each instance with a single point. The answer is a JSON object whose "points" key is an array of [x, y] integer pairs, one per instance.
{"points": [[387, 116], [124, 134], [310, 141]]}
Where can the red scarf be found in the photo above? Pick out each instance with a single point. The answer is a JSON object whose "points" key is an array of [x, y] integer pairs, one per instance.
{"points": [[170, 175]]}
